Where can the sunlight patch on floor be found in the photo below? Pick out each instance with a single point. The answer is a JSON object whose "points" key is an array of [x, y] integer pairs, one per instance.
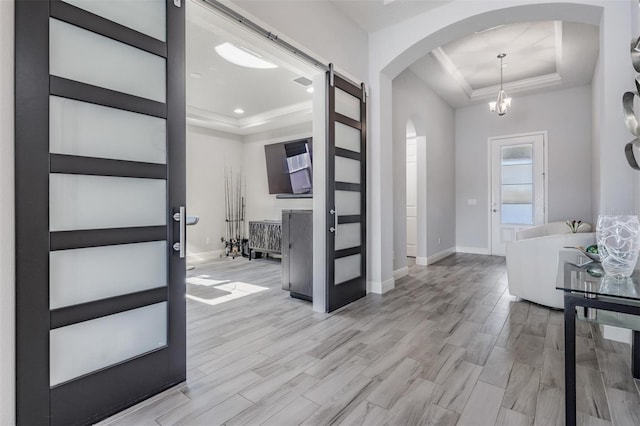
{"points": [[204, 281], [236, 288]]}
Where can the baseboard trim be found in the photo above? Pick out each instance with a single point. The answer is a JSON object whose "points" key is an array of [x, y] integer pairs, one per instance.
{"points": [[401, 272], [421, 261], [439, 256], [472, 250], [377, 287], [203, 257]]}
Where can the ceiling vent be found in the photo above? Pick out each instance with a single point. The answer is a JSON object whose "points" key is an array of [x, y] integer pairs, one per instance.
{"points": [[303, 81]]}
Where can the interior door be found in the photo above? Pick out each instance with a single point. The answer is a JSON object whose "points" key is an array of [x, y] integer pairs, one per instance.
{"points": [[517, 187], [100, 190], [412, 198], [346, 192]]}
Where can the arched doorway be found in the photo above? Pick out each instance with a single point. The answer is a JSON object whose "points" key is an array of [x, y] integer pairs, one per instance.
{"points": [[454, 20]]}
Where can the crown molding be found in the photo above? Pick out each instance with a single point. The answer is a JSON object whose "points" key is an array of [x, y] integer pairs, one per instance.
{"points": [[447, 64], [276, 118], [519, 86]]}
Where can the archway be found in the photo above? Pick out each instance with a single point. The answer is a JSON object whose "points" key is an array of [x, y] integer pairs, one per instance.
{"points": [[410, 198], [395, 48]]}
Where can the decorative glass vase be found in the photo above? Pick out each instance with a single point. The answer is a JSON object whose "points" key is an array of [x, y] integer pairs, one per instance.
{"points": [[618, 244]]}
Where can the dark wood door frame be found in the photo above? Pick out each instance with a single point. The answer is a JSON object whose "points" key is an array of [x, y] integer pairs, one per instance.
{"points": [[343, 294], [70, 402]]}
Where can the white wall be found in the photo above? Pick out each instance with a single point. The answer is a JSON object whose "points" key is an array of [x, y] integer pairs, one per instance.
{"points": [[316, 26], [566, 115], [597, 97], [260, 204], [209, 154], [434, 119], [393, 49], [616, 193], [7, 228]]}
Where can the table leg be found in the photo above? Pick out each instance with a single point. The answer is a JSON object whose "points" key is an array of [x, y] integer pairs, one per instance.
{"points": [[570, 362], [635, 354]]}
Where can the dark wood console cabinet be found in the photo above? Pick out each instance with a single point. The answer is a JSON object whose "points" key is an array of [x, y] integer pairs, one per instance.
{"points": [[297, 253]]}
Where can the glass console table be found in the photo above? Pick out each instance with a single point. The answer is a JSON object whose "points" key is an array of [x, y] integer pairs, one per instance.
{"points": [[602, 300]]}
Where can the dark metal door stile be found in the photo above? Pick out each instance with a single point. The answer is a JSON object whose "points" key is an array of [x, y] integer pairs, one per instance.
{"points": [[93, 396]]}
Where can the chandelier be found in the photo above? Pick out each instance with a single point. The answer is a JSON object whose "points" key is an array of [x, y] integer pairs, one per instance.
{"points": [[503, 102]]}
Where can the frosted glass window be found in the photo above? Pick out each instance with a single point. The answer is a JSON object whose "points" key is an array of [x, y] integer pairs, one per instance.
{"points": [[347, 105], [87, 57], [347, 170], [95, 202], [88, 346], [517, 154], [145, 16], [89, 130], [347, 137], [346, 268], [517, 194], [347, 236], [347, 202], [517, 214], [517, 174], [88, 274], [517, 184]]}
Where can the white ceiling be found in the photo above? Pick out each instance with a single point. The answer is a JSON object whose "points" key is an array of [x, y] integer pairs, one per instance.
{"points": [[216, 87], [541, 56], [373, 15]]}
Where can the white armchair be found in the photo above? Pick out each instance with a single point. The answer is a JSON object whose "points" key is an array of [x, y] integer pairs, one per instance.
{"points": [[532, 260]]}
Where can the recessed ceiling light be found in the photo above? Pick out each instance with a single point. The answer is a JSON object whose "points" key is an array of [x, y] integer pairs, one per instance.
{"points": [[310, 89], [196, 75], [238, 111], [243, 57]]}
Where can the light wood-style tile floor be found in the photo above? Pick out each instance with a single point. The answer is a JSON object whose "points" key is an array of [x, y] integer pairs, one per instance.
{"points": [[447, 346]]}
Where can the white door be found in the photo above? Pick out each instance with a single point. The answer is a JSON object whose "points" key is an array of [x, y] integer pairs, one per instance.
{"points": [[517, 187], [412, 198]]}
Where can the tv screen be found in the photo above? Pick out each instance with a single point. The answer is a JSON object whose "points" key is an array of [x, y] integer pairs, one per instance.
{"points": [[289, 167]]}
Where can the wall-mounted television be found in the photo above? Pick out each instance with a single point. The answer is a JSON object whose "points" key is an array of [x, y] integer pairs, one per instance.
{"points": [[289, 167]]}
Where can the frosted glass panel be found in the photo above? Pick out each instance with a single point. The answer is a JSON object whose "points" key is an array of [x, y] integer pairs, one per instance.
{"points": [[84, 56], [347, 105], [94, 202], [145, 16], [347, 202], [347, 170], [87, 274], [517, 194], [520, 214], [517, 154], [88, 346], [347, 137], [81, 128], [347, 236], [346, 268], [517, 173]]}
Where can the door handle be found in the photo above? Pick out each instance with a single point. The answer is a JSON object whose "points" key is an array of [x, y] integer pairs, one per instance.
{"points": [[334, 228], [494, 210], [181, 218]]}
